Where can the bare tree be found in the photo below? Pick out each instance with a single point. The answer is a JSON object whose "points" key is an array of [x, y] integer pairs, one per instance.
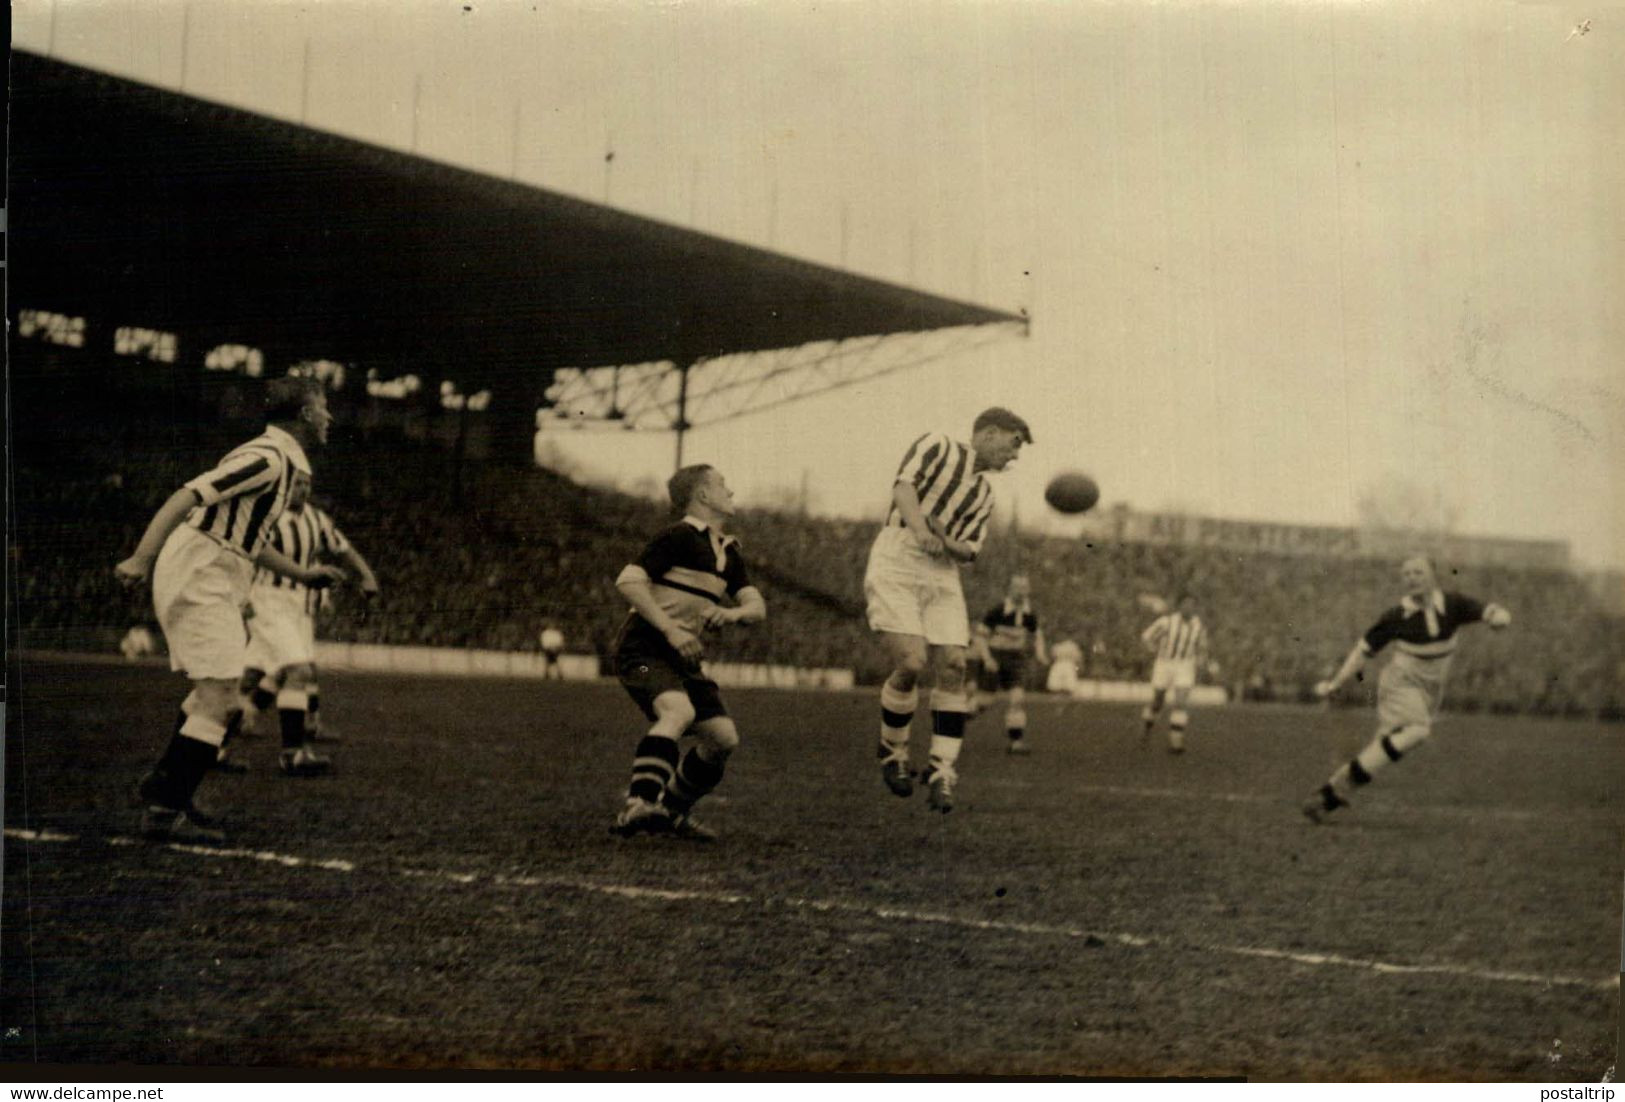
{"points": [[1395, 503]]}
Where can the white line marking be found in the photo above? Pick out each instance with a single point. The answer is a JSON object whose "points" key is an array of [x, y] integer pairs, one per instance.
{"points": [[1133, 941], [265, 855], [869, 910], [223, 853], [38, 835]]}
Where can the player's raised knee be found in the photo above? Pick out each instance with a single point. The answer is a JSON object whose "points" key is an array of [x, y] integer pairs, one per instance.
{"points": [[720, 735]]}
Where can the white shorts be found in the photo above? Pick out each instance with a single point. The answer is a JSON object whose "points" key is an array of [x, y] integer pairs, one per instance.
{"points": [[913, 593], [1173, 673], [199, 588], [281, 633]]}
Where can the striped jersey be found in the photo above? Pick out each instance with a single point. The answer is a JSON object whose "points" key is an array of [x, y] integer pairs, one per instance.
{"points": [[241, 499], [1175, 637], [950, 488], [1010, 629], [1424, 629], [691, 566], [305, 536]]}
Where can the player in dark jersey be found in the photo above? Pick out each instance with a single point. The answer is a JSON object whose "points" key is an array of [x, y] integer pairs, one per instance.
{"points": [[676, 589], [1007, 634], [1422, 629]]}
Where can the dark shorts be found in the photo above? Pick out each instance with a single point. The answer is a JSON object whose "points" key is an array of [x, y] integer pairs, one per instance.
{"points": [[985, 680], [646, 670], [1012, 671]]}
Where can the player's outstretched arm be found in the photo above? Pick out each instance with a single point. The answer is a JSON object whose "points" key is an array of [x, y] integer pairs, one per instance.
{"points": [[170, 515], [317, 577], [359, 567], [1152, 636], [1040, 648], [1352, 665]]}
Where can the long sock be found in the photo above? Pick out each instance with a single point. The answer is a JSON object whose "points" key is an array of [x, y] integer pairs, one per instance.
{"points": [[1377, 755], [290, 711], [653, 765], [185, 762], [1178, 719], [694, 777], [263, 696], [1015, 724], [947, 729], [313, 721], [896, 717], [234, 727]]}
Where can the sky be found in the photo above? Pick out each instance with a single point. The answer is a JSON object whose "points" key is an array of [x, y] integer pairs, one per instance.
{"points": [[1277, 255]]}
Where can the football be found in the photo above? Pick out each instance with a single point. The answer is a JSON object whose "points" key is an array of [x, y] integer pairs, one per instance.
{"points": [[1072, 492]]}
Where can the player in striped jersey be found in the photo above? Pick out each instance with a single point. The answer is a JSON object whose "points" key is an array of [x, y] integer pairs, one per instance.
{"points": [[676, 589], [1422, 629], [941, 501], [1179, 641], [282, 631], [200, 550]]}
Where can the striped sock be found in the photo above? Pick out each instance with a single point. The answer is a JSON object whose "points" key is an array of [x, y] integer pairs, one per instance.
{"points": [[693, 778], [654, 763], [947, 729], [1177, 721], [896, 717]]}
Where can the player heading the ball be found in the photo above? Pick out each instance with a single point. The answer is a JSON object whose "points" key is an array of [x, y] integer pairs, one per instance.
{"points": [[941, 502]]}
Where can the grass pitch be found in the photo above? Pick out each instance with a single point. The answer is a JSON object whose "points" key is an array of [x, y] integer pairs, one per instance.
{"points": [[452, 898]]}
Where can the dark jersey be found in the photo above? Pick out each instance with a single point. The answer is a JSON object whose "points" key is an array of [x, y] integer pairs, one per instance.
{"points": [[1010, 630], [690, 569], [1426, 628]]}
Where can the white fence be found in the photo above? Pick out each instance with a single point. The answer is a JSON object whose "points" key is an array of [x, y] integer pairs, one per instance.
{"points": [[458, 662]]}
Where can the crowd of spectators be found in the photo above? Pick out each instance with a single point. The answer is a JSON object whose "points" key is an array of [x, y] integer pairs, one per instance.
{"points": [[483, 556]]}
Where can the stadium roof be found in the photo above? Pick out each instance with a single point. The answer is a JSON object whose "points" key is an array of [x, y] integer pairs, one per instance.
{"points": [[134, 205]]}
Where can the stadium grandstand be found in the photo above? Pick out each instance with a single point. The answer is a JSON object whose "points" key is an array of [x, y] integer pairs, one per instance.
{"points": [[444, 307], [168, 254]]}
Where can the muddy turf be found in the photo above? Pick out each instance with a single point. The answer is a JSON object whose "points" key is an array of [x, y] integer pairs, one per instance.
{"points": [[451, 897]]}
